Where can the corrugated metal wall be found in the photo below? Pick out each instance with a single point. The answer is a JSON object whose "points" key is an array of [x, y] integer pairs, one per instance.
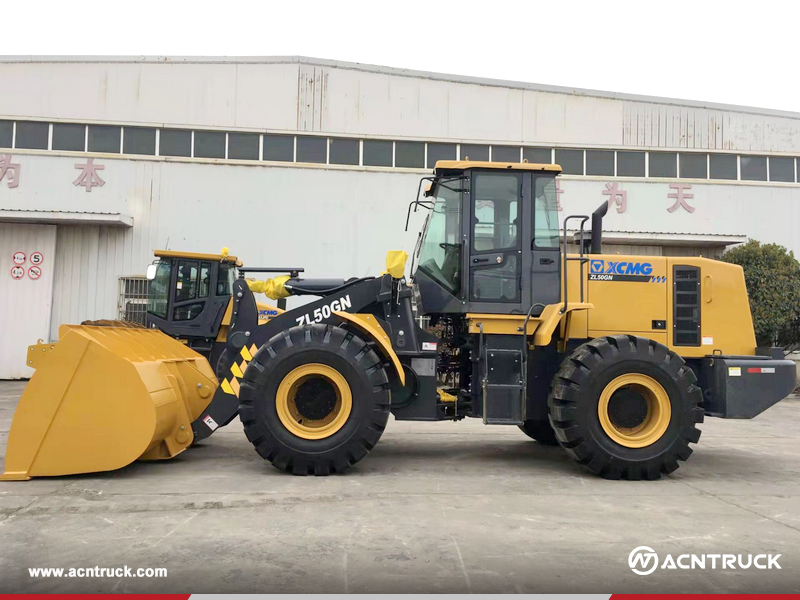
{"points": [[673, 126], [88, 261], [348, 99]]}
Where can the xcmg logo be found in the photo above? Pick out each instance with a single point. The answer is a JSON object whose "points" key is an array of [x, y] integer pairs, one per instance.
{"points": [[621, 268], [264, 313]]}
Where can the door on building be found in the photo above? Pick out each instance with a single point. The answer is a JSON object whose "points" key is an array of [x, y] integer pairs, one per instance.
{"points": [[27, 262]]}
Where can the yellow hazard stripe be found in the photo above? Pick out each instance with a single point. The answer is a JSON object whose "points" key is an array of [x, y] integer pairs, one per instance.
{"points": [[231, 385], [236, 370]]}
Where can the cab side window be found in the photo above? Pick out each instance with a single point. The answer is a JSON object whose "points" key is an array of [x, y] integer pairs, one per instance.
{"points": [[205, 279], [225, 277], [187, 312], [495, 220], [186, 283]]}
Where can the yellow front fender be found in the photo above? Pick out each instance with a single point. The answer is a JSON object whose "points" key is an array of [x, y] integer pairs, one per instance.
{"points": [[369, 325]]}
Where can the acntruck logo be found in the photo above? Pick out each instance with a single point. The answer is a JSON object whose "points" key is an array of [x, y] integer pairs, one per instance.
{"points": [[643, 560], [645, 557]]}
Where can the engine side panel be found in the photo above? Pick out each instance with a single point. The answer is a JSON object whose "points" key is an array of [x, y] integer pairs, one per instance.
{"points": [[658, 297]]}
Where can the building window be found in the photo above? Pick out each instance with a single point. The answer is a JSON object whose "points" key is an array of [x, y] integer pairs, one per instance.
{"points": [[133, 299], [600, 162], [104, 138], [409, 155], [33, 136], [663, 164], [344, 152], [754, 168], [209, 144], [571, 161], [474, 152], [6, 133], [279, 147], [68, 136], [722, 166], [243, 146], [377, 153], [175, 142], [541, 156], [505, 154], [630, 164], [312, 149], [137, 140], [693, 166], [440, 152], [781, 168]]}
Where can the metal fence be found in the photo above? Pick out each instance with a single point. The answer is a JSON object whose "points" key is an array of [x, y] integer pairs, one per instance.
{"points": [[133, 298]]}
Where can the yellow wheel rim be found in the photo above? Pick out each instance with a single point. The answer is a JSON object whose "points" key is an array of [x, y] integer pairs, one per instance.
{"points": [[656, 420], [293, 419]]}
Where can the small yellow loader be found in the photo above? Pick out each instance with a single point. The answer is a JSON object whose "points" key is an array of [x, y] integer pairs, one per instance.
{"points": [[615, 358]]}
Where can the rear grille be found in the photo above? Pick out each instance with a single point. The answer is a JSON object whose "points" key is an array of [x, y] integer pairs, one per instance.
{"points": [[686, 306]]}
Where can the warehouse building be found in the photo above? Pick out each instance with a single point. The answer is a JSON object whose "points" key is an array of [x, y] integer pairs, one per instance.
{"points": [[312, 163]]}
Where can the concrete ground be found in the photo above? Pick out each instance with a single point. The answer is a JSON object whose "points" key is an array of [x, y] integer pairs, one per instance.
{"points": [[440, 507]]}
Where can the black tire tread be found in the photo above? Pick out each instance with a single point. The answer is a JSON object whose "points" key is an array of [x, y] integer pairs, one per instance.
{"points": [[345, 344], [566, 399]]}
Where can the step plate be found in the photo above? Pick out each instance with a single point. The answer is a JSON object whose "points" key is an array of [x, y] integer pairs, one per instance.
{"points": [[503, 403]]}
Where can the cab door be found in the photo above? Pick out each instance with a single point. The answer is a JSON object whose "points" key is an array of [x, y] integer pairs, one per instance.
{"points": [[545, 281], [191, 287], [495, 256]]}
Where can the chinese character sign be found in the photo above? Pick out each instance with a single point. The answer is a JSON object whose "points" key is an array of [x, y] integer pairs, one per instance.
{"points": [[89, 177], [9, 170], [616, 196], [680, 196]]}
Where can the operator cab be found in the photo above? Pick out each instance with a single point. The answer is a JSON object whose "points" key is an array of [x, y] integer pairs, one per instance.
{"points": [[490, 243], [188, 295]]}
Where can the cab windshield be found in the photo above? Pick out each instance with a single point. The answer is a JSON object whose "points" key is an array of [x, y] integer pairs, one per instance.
{"points": [[158, 291], [440, 248]]}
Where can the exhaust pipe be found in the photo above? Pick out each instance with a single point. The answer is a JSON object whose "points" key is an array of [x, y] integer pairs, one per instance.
{"points": [[597, 227]]}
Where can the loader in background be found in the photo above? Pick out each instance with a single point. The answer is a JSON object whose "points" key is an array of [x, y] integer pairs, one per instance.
{"points": [[615, 358]]}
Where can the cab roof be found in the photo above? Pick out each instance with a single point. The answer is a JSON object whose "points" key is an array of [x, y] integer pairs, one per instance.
{"points": [[460, 165], [198, 256]]}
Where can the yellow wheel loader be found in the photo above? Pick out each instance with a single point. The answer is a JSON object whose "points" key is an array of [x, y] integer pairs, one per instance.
{"points": [[615, 358]]}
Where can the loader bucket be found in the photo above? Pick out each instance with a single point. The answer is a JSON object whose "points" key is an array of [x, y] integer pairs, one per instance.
{"points": [[103, 397]]}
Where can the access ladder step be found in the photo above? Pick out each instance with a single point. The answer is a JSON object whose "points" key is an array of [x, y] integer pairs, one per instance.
{"points": [[503, 387]]}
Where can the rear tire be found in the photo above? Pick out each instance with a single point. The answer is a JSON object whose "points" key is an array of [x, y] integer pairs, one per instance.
{"points": [[541, 431], [345, 428], [649, 445]]}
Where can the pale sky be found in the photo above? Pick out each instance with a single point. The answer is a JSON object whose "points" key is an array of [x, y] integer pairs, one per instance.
{"points": [[730, 52]]}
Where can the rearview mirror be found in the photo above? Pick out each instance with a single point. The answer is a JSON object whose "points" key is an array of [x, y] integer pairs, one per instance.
{"points": [[151, 272]]}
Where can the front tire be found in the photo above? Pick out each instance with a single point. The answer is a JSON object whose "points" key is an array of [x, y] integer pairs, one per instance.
{"points": [[314, 400], [626, 407]]}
